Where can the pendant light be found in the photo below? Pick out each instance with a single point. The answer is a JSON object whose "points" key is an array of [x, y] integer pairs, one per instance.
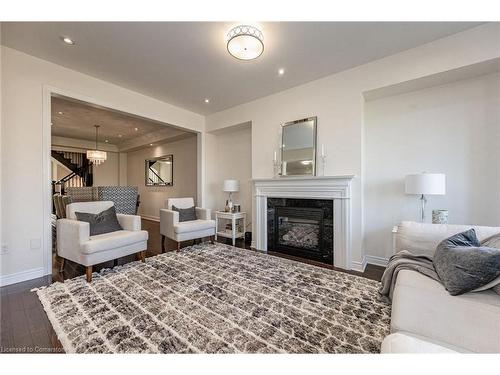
{"points": [[96, 157]]}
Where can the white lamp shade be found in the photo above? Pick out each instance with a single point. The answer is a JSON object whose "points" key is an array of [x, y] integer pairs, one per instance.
{"points": [[231, 186], [426, 183]]}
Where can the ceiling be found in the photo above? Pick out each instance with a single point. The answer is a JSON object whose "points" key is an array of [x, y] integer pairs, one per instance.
{"points": [[76, 119], [183, 63]]}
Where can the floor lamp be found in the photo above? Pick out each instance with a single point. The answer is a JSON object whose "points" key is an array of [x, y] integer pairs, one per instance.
{"points": [[425, 184]]}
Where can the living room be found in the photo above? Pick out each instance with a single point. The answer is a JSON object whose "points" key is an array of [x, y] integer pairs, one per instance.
{"points": [[346, 203]]}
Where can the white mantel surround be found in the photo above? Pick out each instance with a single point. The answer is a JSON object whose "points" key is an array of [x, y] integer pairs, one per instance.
{"points": [[336, 188]]}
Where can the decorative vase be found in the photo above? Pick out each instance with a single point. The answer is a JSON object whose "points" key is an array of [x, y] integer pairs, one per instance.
{"points": [[439, 216]]}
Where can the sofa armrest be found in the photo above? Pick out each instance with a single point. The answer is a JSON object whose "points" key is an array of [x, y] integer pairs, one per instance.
{"points": [[70, 235], [129, 222], [168, 219], [203, 213]]}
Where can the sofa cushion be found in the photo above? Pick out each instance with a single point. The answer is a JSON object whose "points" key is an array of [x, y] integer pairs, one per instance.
{"points": [[103, 222], [463, 265], [108, 241], [402, 342], [423, 307], [423, 238], [186, 214], [193, 226]]}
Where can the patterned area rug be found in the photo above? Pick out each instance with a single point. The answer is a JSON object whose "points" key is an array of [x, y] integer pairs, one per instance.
{"points": [[218, 299]]}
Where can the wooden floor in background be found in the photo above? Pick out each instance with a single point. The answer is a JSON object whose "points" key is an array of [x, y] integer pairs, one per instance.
{"points": [[24, 326]]}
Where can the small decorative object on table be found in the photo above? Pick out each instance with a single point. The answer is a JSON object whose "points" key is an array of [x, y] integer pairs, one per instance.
{"points": [[439, 216]]}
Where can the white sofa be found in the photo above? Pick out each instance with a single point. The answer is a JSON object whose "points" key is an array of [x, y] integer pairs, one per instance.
{"points": [[171, 227], [425, 317], [75, 243]]}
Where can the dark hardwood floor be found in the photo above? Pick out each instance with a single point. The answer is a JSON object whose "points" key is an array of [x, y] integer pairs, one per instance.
{"points": [[24, 326]]}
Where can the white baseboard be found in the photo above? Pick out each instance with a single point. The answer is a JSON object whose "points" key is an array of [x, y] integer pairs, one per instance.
{"points": [[152, 218], [358, 266], [376, 260], [21, 276]]}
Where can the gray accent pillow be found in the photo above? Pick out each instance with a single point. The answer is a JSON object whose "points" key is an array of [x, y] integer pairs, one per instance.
{"points": [[493, 241], [185, 214], [463, 264], [103, 222]]}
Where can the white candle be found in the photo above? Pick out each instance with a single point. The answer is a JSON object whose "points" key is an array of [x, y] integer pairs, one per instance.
{"points": [[322, 150], [275, 156]]}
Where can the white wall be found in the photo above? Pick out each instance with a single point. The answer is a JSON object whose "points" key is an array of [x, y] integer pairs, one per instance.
{"points": [[229, 157], [23, 81], [185, 174], [452, 129], [338, 103]]}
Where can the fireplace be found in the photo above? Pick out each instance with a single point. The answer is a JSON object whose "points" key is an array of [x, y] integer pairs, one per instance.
{"points": [[334, 191], [301, 227]]}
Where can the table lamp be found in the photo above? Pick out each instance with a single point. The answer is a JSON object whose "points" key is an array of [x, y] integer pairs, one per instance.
{"points": [[231, 186], [425, 184]]}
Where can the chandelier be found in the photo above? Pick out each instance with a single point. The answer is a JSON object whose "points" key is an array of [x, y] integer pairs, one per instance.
{"points": [[245, 42], [96, 157]]}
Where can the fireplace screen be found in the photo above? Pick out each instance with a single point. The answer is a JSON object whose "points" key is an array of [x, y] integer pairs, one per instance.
{"points": [[299, 228]]}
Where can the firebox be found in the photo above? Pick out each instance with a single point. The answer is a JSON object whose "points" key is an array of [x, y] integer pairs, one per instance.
{"points": [[301, 227]]}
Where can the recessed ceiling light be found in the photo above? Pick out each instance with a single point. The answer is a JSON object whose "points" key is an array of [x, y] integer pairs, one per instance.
{"points": [[106, 141], [60, 113], [136, 129], [119, 135], [150, 144], [207, 100], [281, 71], [245, 42], [68, 41]]}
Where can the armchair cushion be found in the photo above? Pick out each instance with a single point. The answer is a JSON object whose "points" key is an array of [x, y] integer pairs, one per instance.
{"points": [[113, 240], [103, 222], [193, 226], [185, 214], [129, 222]]}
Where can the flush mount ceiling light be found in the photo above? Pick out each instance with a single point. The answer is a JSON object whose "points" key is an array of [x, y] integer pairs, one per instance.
{"points": [[96, 157], [245, 42], [68, 41]]}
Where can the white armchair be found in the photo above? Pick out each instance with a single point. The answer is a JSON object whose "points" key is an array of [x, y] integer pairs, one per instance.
{"points": [[171, 227], [75, 243]]}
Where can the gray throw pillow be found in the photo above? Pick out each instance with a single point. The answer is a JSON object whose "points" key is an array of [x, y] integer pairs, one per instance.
{"points": [[185, 214], [463, 264], [103, 222]]}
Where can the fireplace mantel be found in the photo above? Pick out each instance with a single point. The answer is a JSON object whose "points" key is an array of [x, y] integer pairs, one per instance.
{"points": [[337, 188]]}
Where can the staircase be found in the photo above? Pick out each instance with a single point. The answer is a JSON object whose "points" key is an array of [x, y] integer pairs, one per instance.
{"points": [[78, 164]]}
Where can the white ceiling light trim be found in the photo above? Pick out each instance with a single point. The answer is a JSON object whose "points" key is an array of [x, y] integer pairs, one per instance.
{"points": [[68, 41], [96, 156], [245, 42]]}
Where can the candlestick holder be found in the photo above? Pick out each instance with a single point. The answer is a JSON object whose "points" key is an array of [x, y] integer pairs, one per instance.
{"points": [[277, 168], [323, 164]]}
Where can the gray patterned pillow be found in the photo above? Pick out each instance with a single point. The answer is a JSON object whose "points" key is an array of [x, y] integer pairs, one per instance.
{"points": [[493, 241], [103, 222], [463, 264], [185, 214]]}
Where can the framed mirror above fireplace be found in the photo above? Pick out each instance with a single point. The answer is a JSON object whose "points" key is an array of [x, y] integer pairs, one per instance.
{"points": [[298, 147]]}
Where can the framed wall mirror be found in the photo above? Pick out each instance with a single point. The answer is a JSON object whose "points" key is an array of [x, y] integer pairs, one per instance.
{"points": [[298, 148], [160, 171]]}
